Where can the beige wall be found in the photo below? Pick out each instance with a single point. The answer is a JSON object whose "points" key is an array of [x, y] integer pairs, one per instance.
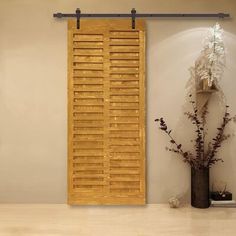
{"points": [[33, 93]]}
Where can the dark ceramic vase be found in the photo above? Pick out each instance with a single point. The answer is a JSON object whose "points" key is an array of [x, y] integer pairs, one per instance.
{"points": [[200, 196]]}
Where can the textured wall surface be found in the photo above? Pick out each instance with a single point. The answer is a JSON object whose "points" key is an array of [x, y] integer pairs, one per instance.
{"points": [[33, 94]]}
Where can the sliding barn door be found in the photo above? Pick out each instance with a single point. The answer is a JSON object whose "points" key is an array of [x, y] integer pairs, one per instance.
{"points": [[106, 112]]}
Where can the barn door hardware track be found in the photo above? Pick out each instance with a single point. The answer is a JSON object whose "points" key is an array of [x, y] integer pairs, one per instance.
{"points": [[133, 15]]}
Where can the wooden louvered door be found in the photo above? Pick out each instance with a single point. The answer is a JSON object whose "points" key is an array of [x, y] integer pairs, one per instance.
{"points": [[106, 112]]}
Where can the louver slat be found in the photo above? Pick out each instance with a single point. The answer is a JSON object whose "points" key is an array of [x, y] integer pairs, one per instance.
{"points": [[106, 112]]}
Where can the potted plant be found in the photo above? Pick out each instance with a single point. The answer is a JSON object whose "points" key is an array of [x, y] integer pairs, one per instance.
{"points": [[204, 155], [210, 64]]}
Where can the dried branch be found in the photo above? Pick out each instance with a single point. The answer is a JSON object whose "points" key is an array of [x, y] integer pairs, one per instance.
{"points": [[202, 158]]}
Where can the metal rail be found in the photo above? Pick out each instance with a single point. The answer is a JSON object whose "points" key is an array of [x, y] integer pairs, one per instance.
{"points": [[134, 15]]}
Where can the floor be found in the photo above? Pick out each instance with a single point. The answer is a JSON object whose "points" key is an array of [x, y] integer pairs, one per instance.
{"points": [[151, 220]]}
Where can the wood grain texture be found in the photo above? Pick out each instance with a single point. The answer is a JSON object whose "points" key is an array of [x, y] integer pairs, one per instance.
{"points": [[106, 112]]}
